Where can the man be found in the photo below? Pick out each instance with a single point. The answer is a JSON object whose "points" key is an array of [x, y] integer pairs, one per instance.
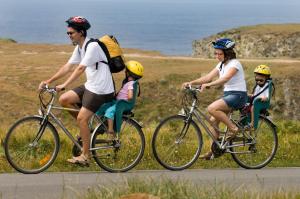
{"points": [[98, 87]]}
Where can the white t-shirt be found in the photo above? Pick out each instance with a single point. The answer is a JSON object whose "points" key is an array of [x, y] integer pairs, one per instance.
{"points": [[237, 82], [99, 80], [258, 89]]}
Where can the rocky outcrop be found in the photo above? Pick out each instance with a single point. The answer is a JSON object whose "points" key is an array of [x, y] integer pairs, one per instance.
{"points": [[261, 41]]}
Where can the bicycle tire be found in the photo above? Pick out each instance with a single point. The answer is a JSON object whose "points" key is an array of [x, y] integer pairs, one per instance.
{"points": [[261, 153], [124, 157], [190, 149], [22, 153]]}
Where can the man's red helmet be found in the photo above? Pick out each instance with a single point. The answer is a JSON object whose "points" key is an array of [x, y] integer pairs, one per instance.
{"points": [[78, 22]]}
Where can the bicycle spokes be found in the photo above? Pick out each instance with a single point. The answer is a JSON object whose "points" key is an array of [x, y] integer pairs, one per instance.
{"points": [[29, 147], [258, 150], [176, 143]]}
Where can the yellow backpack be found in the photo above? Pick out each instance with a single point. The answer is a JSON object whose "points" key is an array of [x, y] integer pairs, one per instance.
{"points": [[113, 52]]}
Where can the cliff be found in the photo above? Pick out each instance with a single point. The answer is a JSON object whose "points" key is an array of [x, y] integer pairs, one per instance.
{"points": [[260, 41]]}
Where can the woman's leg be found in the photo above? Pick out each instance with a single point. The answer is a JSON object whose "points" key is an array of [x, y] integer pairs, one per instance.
{"points": [[215, 124], [219, 110]]}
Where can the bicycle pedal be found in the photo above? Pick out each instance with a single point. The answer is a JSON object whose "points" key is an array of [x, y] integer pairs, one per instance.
{"points": [[116, 143]]}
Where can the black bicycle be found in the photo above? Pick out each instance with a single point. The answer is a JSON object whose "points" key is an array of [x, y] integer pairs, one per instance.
{"points": [[177, 140], [32, 143]]}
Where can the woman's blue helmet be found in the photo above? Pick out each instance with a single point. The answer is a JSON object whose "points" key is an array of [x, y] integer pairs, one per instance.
{"points": [[223, 44]]}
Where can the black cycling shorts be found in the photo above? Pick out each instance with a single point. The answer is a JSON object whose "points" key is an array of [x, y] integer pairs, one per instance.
{"points": [[90, 100]]}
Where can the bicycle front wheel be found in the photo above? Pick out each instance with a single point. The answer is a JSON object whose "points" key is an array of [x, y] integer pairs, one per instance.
{"points": [[121, 155], [177, 143], [259, 150], [30, 146]]}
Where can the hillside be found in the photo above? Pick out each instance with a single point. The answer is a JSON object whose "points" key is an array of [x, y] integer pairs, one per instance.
{"points": [[23, 66], [263, 41]]}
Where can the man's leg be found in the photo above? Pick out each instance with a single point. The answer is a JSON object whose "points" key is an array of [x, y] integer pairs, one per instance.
{"points": [[83, 117], [219, 110], [69, 100]]}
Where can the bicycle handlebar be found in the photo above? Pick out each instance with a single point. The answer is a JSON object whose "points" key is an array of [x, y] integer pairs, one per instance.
{"points": [[193, 88], [49, 89], [46, 89]]}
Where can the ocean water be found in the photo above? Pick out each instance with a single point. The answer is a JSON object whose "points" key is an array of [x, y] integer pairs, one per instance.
{"points": [[168, 26]]}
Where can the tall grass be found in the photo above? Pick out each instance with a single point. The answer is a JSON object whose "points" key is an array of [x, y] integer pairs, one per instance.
{"points": [[286, 155], [182, 189]]}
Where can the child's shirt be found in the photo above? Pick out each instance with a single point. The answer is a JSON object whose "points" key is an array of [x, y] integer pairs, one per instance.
{"points": [[258, 89], [123, 93]]}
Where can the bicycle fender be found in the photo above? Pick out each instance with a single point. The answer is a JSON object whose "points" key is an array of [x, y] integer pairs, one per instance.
{"points": [[269, 120], [135, 121], [93, 134]]}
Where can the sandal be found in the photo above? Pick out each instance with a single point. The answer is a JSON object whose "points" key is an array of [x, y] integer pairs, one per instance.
{"points": [[232, 134], [207, 156], [81, 160]]}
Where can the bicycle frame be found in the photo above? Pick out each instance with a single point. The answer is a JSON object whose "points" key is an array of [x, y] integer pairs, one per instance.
{"points": [[47, 113], [201, 118]]}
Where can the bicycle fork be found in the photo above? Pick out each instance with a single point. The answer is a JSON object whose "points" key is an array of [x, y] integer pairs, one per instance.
{"points": [[40, 132]]}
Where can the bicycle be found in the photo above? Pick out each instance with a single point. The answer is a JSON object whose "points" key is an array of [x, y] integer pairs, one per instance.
{"points": [[32, 143], [177, 140]]}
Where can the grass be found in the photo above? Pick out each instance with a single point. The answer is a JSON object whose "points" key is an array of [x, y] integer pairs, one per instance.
{"points": [[271, 28], [286, 154], [24, 65], [181, 189]]}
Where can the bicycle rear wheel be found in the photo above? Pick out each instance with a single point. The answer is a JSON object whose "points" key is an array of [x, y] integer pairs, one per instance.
{"points": [[259, 151], [31, 147], [177, 144], [123, 155]]}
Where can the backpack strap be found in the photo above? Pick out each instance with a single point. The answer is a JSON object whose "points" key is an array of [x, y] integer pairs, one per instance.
{"points": [[102, 46], [138, 85], [266, 87]]}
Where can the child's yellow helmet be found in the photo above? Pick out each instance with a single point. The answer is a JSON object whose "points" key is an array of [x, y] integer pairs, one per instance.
{"points": [[135, 68], [263, 70]]}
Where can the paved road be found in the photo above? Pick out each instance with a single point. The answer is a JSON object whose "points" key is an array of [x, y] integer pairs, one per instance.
{"points": [[59, 185]]}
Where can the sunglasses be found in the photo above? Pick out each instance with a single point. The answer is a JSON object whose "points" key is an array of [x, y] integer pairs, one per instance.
{"points": [[70, 33], [260, 80]]}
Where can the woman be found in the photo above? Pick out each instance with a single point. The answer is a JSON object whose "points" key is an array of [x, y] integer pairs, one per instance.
{"points": [[231, 75]]}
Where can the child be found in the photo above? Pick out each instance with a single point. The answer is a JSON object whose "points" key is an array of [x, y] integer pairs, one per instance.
{"points": [[261, 89], [134, 71]]}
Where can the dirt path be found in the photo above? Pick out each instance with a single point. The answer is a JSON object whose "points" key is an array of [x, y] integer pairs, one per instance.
{"points": [[205, 59]]}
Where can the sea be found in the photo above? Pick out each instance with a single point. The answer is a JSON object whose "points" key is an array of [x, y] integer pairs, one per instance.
{"points": [[168, 26]]}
